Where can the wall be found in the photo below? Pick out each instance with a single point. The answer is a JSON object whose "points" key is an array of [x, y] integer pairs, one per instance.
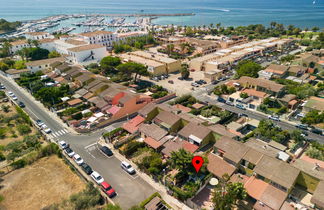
{"points": [[307, 181]]}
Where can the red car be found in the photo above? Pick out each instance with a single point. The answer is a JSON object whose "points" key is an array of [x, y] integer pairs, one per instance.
{"points": [[108, 189]]}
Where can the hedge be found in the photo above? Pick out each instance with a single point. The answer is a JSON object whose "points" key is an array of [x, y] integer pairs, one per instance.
{"points": [[147, 200]]}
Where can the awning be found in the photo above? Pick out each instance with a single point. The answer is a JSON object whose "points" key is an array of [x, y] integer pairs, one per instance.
{"points": [[194, 138]]}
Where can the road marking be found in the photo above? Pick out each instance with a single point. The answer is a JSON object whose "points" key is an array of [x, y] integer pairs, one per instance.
{"points": [[54, 135], [90, 145], [60, 133], [91, 154], [104, 153], [66, 130]]}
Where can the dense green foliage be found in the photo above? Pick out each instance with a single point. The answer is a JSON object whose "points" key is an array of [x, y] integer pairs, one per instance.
{"points": [[227, 194], [134, 42], [316, 150], [224, 89], [269, 131], [54, 54], [313, 117], [6, 26], [302, 91], [131, 68], [109, 64], [247, 68]]}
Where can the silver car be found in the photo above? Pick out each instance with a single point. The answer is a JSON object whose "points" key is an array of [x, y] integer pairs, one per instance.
{"points": [[127, 167]]}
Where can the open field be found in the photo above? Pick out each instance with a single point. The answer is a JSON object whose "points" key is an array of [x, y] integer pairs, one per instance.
{"points": [[47, 181]]}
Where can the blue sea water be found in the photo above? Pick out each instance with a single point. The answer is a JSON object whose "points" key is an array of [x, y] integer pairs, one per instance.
{"points": [[302, 13]]}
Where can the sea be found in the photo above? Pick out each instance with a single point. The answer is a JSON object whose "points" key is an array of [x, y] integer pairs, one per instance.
{"points": [[301, 13]]}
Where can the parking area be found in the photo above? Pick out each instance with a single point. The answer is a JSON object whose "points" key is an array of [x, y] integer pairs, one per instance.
{"points": [[180, 87]]}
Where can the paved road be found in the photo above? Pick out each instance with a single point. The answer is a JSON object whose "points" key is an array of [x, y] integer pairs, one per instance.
{"points": [[201, 94], [130, 189]]}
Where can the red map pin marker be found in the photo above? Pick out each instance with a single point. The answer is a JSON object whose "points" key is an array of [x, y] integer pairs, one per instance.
{"points": [[197, 162]]}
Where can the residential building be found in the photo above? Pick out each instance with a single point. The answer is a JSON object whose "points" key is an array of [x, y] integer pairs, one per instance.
{"points": [[38, 35], [18, 45], [103, 38], [64, 43], [196, 134], [156, 64], [91, 53], [314, 103], [297, 70], [39, 65], [124, 36], [278, 71], [263, 85]]}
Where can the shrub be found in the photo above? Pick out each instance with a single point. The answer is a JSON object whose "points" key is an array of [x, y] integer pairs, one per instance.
{"points": [[77, 116], [50, 149], [132, 147], [2, 157], [19, 164], [3, 132], [23, 129]]}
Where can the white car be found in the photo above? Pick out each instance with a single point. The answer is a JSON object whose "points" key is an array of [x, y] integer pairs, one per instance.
{"points": [[96, 177], [127, 167], [47, 130], [63, 144], [78, 159], [14, 98], [43, 126], [10, 94], [69, 152], [273, 118]]}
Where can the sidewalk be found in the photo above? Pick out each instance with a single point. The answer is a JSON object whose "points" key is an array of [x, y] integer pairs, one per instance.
{"points": [[173, 202], [39, 104]]}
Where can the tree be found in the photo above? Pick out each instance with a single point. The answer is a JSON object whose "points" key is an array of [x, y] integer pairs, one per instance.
{"points": [[37, 53], [181, 160], [244, 95], [296, 135], [54, 54], [3, 66], [227, 194], [23, 129], [19, 65], [109, 63], [130, 68], [35, 43], [248, 68], [6, 49], [315, 29], [170, 48], [185, 73]]}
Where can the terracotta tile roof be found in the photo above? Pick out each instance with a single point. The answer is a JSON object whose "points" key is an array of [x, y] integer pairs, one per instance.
{"points": [[268, 84], [61, 80], [167, 117], [18, 42], [308, 167], [220, 129], [182, 108], [273, 197], [297, 68], [252, 92], [85, 47], [234, 150], [95, 33], [75, 42], [45, 61], [253, 156], [152, 142], [272, 169], [113, 110], [277, 69], [132, 125], [218, 166], [171, 146], [88, 96], [74, 102], [192, 148], [47, 40], [318, 195], [153, 131], [197, 130], [255, 187], [197, 105]]}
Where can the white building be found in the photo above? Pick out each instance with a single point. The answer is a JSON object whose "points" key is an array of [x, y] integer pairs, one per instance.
{"points": [[18, 45], [38, 35], [105, 38], [64, 43], [87, 53], [39, 65], [48, 44]]}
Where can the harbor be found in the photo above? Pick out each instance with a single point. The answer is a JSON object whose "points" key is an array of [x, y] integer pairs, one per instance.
{"points": [[79, 23]]}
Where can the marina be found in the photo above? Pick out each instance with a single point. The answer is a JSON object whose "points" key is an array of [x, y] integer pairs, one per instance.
{"points": [[78, 23]]}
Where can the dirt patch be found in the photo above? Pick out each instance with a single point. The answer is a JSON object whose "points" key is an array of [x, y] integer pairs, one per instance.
{"points": [[47, 181]]}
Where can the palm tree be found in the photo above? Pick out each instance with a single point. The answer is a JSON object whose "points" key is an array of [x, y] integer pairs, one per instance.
{"points": [[211, 25], [170, 48]]}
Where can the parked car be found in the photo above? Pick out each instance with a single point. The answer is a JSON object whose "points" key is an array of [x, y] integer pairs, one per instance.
{"points": [[214, 82], [63, 144], [5, 100], [171, 82], [240, 106], [69, 152], [44, 126], [302, 126], [317, 131], [39, 122], [47, 130], [127, 167], [108, 189], [230, 103], [86, 168], [275, 118], [77, 158], [14, 98], [10, 94], [180, 78], [2, 87], [106, 151], [96, 177], [21, 104]]}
